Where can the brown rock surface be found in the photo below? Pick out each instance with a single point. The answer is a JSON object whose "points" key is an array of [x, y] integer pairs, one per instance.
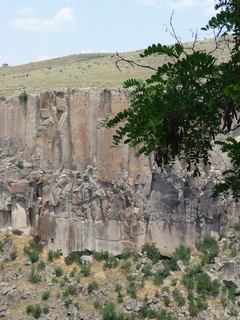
{"points": [[61, 181]]}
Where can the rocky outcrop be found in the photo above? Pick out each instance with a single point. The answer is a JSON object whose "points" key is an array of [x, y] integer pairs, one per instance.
{"points": [[61, 181]]}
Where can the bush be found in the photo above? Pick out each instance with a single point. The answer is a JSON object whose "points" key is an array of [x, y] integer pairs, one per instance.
{"points": [[181, 253], [23, 96], [2, 243], [13, 255], [108, 312], [86, 270], [236, 226], [53, 255], [96, 304], [127, 253], [35, 311], [34, 256], [100, 256], [209, 248], [93, 286], [73, 257], [34, 277], [68, 302], [59, 271], [110, 263], [126, 266], [132, 290], [151, 251], [41, 265], [45, 295]]}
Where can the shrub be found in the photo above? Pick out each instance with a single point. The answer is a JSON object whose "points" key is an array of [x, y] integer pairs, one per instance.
{"points": [[110, 263], [99, 256], [23, 96], [178, 296], [96, 304], [46, 309], [209, 248], [204, 284], [34, 277], [236, 226], [73, 257], [34, 256], [41, 265], [59, 271], [181, 253], [13, 255], [132, 290], [167, 302], [127, 253], [86, 270], [108, 312], [53, 255], [68, 302], [45, 295], [2, 244], [151, 251], [35, 311], [126, 266], [93, 286]]}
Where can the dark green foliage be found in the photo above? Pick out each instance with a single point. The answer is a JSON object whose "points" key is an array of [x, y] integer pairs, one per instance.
{"points": [[209, 247], [127, 253], [187, 103], [109, 312], [181, 253], [45, 295], [86, 270], [110, 263], [231, 294], [34, 256], [35, 311], [152, 252], [53, 255], [132, 290], [178, 296], [73, 257], [67, 302], [93, 286], [34, 277], [236, 226], [41, 265], [126, 266], [96, 304], [13, 255], [23, 96], [99, 256], [59, 271], [70, 291]]}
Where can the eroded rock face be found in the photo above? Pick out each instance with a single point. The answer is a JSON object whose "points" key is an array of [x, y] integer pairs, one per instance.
{"points": [[61, 181]]}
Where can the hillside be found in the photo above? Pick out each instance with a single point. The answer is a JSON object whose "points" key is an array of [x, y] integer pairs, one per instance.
{"points": [[97, 71], [38, 283]]}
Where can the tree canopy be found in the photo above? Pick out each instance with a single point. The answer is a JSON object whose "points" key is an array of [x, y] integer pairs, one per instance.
{"points": [[188, 103]]}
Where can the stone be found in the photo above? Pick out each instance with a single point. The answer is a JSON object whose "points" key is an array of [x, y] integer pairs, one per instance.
{"points": [[157, 268], [86, 259], [180, 266], [63, 183]]}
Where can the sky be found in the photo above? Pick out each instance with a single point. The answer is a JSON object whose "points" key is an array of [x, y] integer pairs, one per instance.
{"points": [[34, 30]]}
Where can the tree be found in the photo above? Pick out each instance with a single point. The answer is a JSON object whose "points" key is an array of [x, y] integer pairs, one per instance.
{"points": [[180, 111]]}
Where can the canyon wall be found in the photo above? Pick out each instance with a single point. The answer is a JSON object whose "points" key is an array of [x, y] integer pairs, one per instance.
{"points": [[61, 181]]}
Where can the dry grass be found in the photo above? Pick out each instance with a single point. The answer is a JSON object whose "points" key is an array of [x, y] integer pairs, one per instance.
{"points": [[97, 71]]}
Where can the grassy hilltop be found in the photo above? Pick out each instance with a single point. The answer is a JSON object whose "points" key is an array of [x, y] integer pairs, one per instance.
{"points": [[96, 70]]}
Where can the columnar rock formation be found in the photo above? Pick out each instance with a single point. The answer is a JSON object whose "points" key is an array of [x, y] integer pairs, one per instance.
{"points": [[61, 181]]}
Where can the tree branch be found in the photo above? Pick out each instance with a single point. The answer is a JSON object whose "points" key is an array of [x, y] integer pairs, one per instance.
{"points": [[131, 62]]}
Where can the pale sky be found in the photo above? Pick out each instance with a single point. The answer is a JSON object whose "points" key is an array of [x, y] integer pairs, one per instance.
{"points": [[33, 30]]}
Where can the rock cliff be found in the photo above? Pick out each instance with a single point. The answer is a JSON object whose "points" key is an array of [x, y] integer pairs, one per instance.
{"points": [[61, 181]]}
